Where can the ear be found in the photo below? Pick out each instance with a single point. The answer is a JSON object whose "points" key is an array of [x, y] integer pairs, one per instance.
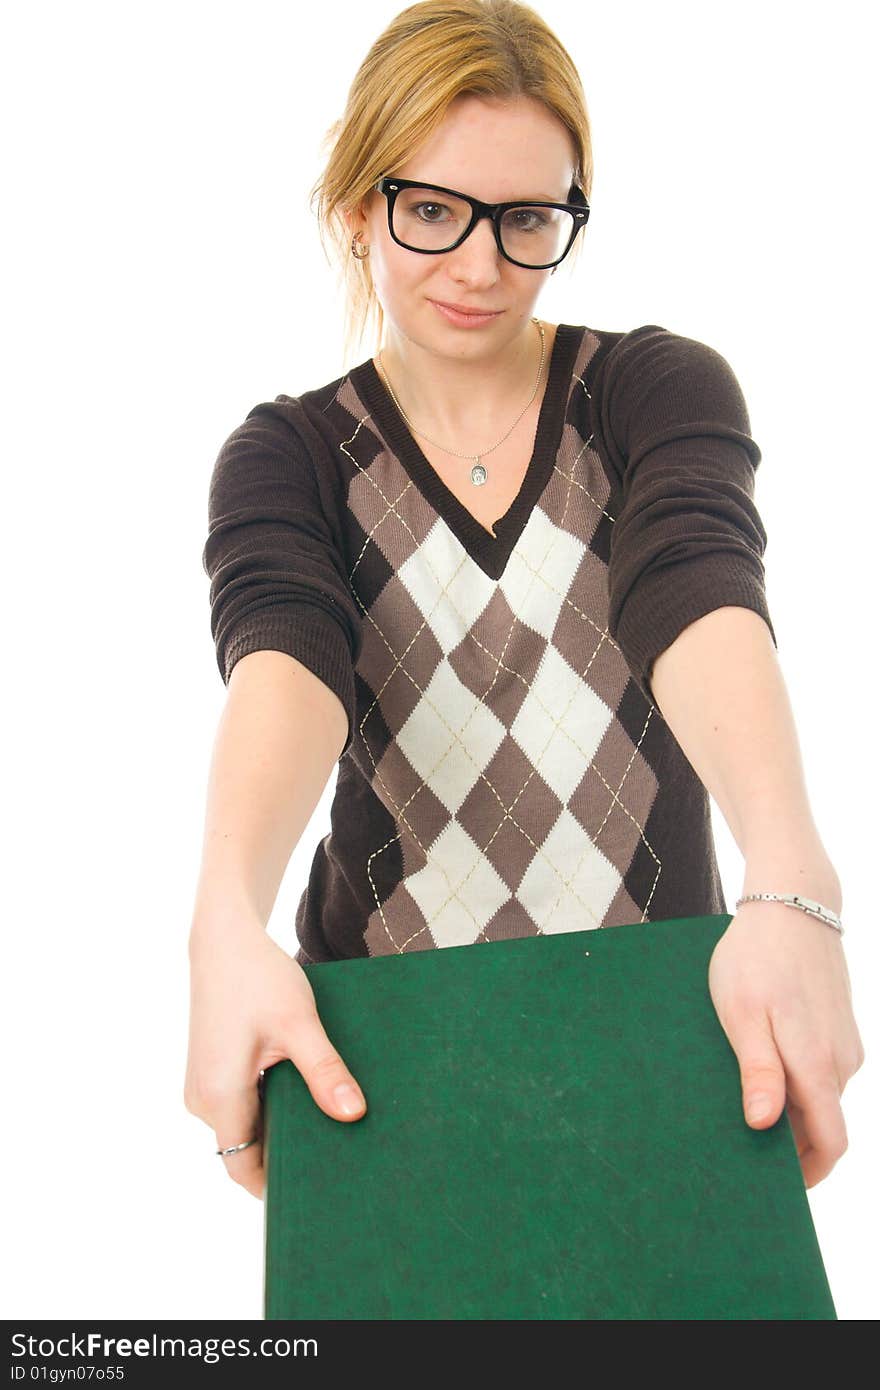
{"points": [[355, 218]]}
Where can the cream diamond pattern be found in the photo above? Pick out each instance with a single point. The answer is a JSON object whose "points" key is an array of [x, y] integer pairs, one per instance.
{"points": [[560, 724], [450, 737], [446, 585], [538, 574], [458, 890], [570, 884]]}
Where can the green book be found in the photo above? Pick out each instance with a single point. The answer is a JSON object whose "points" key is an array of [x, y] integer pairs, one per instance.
{"points": [[554, 1130]]}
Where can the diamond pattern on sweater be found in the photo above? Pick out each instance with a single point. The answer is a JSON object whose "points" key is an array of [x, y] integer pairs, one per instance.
{"points": [[491, 733]]}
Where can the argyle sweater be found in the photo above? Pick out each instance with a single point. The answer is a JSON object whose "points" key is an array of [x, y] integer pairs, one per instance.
{"points": [[506, 771]]}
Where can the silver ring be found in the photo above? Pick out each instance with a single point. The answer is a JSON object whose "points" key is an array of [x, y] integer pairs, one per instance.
{"points": [[237, 1148]]}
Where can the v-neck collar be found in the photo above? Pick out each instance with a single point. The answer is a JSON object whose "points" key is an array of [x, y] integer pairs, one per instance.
{"points": [[490, 552]]}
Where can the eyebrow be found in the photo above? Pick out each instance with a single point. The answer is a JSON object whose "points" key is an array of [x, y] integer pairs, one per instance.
{"points": [[520, 198]]}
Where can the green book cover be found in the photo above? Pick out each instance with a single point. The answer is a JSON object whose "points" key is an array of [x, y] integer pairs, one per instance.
{"points": [[554, 1130]]}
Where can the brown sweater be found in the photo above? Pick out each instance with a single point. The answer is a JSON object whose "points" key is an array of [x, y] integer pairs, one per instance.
{"points": [[506, 772]]}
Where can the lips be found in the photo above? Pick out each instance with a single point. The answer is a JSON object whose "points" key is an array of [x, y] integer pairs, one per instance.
{"points": [[465, 308], [470, 318]]}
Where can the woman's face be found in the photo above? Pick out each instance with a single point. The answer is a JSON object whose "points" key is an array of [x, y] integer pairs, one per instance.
{"points": [[494, 150]]}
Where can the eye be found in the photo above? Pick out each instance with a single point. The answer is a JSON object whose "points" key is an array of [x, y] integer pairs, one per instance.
{"points": [[528, 219], [417, 207]]}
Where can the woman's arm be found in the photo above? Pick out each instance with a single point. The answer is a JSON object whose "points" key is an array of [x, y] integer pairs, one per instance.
{"points": [[778, 977], [721, 691], [280, 735], [252, 1005]]}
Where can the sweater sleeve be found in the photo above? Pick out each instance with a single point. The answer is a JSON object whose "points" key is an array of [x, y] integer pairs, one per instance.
{"points": [[278, 580], [688, 537]]}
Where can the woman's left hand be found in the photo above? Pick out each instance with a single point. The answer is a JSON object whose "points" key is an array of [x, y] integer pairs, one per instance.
{"points": [[780, 985]]}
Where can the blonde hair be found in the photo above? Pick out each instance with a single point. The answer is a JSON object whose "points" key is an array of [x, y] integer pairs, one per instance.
{"points": [[431, 53]]}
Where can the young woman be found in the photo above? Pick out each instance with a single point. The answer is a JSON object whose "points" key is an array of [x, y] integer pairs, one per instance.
{"points": [[506, 575]]}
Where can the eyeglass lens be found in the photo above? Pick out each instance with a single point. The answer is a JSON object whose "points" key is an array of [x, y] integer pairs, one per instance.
{"points": [[428, 221]]}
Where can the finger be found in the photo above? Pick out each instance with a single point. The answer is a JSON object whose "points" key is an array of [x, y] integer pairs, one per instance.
{"points": [[798, 1131], [811, 1167], [762, 1074], [329, 1080], [814, 1090], [238, 1118], [818, 1124]]}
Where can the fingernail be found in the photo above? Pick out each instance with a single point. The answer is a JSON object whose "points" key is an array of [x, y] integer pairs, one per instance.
{"points": [[348, 1098], [759, 1108]]}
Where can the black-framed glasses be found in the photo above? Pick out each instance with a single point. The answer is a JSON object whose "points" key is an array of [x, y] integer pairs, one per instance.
{"points": [[536, 235]]}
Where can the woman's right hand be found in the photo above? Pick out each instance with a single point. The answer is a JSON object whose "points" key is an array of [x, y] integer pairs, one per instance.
{"points": [[251, 1005]]}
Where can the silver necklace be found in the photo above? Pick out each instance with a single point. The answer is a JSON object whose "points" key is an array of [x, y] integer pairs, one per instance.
{"points": [[479, 472]]}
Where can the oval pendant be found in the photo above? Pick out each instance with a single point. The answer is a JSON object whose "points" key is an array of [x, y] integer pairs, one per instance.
{"points": [[478, 475]]}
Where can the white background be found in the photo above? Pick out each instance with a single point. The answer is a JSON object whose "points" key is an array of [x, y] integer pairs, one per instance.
{"points": [[163, 274]]}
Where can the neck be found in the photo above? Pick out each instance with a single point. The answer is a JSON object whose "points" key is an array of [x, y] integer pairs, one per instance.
{"points": [[464, 398]]}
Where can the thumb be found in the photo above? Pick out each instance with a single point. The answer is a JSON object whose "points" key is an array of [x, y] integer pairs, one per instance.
{"points": [[762, 1074], [331, 1084]]}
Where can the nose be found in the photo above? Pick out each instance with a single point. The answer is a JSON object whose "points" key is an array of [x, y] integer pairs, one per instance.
{"points": [[478, 256]]}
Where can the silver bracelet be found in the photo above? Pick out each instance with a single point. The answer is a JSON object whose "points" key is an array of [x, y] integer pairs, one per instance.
{"points": [[795, 900]]}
